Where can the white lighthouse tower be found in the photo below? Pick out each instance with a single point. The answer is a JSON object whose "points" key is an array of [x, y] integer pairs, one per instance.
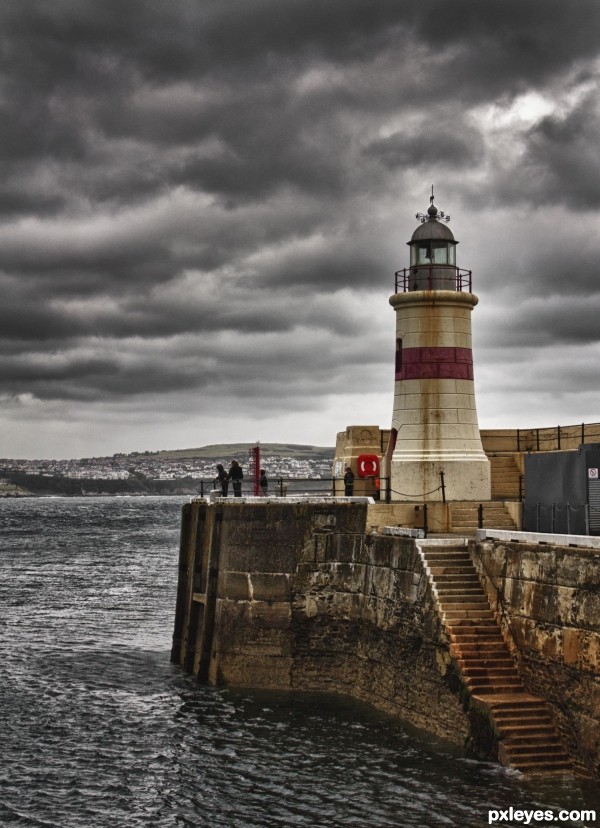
{"points": [[435, 450]]}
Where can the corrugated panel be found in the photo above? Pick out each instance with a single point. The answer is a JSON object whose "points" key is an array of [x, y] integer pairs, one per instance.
{"points": [[594, 501]]}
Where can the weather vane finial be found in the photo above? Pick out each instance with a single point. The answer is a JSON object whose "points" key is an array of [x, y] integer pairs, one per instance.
{"points": [[433, 214]]}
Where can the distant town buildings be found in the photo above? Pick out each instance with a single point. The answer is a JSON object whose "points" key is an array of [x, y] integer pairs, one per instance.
{"points": [[155, 467]]}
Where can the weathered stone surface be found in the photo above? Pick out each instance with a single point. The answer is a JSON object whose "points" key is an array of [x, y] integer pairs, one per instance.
{"points": [[234, 585], [269, 586], [548, 598], [305, 598], [301, 595]]}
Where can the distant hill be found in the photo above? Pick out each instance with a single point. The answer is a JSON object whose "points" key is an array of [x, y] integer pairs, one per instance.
{"points": [[241, 450]]}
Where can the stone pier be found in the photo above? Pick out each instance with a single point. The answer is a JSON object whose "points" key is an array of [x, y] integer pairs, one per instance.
{"points": [[286, 595]]}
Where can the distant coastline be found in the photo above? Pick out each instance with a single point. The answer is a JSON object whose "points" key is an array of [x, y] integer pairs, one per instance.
{"points": [[29, 485], [183, 472]]}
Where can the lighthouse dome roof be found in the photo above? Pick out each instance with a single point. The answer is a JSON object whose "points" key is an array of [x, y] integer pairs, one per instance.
{"points": [[432, 230]]}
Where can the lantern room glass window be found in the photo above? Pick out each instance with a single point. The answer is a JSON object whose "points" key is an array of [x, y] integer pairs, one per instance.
{"points": [[433, 253]]}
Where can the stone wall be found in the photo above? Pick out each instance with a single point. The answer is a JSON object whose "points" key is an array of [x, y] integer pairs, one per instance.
{"points": [[303, 598], [303, 595], [261, 545], [548, 599], [364, 624]]}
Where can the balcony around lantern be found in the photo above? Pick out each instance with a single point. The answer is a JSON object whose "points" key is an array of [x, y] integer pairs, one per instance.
{"points": [[434, 277]]}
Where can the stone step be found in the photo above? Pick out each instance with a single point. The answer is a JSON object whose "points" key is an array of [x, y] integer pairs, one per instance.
{"points": [[464, 526], [469, 604], [458, 594], [473, 596], [456, 580], [484, 659], [452, 605], [491, 659], [547, 747], [477, 632], [465, 523], [448, 569], [512, 680], [460, 639], [544, 768], [529, 703], [534, 751], [533, 735], [517, 722], [476, 670], [492, 689], [481, 649], [470, 611], [486, 666], [474, 625], [454, 557]]}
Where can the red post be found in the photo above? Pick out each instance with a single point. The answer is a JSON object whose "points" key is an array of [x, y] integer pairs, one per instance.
{"points": [[255, 467]]}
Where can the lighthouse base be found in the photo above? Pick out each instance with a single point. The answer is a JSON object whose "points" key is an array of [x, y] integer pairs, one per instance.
{"points": [[445, 478]]}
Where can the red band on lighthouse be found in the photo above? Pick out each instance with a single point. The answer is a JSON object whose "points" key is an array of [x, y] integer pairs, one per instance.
{"points": [[434, 363]]}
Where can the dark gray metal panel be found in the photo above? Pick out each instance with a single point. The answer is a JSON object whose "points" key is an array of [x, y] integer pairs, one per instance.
{"points": [[555, 477], [556, 492]]}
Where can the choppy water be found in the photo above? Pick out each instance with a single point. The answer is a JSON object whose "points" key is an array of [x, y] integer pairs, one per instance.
{"points": [[99, 729]]}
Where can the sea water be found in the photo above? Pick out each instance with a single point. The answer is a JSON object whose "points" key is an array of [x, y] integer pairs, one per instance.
{"points": [[99, 730]]}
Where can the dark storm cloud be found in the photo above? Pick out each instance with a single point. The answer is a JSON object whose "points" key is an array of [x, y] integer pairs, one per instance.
{"points": [[563, 152], [206, 195], [83, 78], [454, 142]]}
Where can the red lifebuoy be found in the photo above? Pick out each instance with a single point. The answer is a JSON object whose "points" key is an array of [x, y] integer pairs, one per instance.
{"points": [[368, 465]]}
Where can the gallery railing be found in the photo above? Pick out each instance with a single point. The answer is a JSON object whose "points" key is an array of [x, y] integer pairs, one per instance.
{"points": [[434, 277]]}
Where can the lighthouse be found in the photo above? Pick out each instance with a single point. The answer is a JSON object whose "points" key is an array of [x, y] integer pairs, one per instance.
{"points": [[435, 450]]}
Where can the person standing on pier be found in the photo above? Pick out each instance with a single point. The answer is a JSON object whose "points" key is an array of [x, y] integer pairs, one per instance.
{"points": [[222, 479], [263, 483], [348, 482], [236, 475]]}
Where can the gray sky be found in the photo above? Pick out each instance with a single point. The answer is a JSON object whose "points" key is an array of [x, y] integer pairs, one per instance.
{"points": [[203, 204]]}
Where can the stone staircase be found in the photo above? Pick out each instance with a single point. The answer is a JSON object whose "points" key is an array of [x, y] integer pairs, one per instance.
{"points": [[528, 740], [464, 517], [505, 474]]}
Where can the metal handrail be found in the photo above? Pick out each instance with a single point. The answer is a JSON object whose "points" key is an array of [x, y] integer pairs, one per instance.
{"points": [[405, 279], [282, 486]]}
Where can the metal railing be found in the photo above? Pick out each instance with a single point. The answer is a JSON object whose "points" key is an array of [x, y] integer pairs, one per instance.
{"points": [[431, 277], [550, 438], [379, 488], [280, 486]]}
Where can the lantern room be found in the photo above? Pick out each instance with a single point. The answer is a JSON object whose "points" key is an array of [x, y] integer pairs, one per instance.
{"points": [[432, 253]]}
